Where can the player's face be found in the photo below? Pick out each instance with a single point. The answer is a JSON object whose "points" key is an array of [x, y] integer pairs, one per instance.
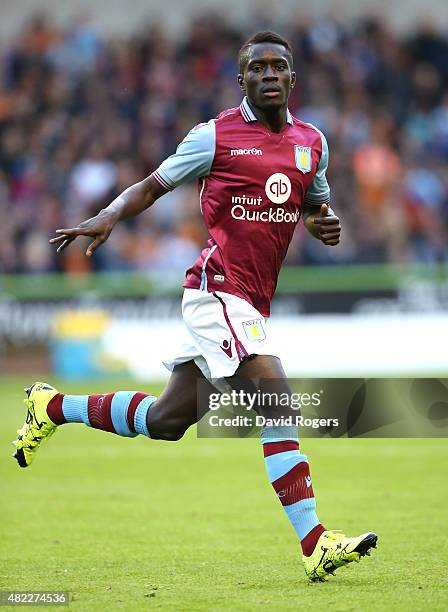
{"points": [[267, 79]]}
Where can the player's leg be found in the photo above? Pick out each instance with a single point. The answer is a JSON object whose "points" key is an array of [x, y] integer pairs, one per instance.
{"points": [[287, 466], [176, 408], [234, 340], [288, 470], [125, 413]]}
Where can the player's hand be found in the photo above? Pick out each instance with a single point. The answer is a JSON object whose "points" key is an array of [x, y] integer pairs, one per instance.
{"points": [[329, 226], [98, 227]]}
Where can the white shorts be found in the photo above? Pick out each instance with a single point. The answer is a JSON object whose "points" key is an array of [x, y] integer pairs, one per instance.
{"points": [[221, 330]]}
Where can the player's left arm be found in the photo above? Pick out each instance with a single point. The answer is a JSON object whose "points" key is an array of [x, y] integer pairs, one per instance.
{"points": [[322, 223], [318, 217]]}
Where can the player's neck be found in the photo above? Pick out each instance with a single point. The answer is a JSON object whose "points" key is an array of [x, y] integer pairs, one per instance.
{"points": [[275, 120]]}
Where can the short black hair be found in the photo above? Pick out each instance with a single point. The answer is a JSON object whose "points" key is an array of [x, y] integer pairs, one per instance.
{"points": [[262, 37]]}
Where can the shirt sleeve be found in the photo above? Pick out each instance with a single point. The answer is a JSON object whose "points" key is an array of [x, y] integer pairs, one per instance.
{"points": [[193, 157], [319, 190]]}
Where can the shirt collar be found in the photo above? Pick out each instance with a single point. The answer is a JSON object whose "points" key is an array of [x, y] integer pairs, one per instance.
{"points": [[249, 116]]}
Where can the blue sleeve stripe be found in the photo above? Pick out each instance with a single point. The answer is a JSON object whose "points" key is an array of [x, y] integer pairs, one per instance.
{"points": [[159, 178], [317, 201]]}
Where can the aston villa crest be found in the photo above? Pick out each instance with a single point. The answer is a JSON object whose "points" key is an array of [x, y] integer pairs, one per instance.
{"points": [[303, 158]]}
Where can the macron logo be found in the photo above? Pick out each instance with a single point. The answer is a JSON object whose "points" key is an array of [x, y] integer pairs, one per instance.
{"points": [[252, 151], [226, 346], [308, 481]]}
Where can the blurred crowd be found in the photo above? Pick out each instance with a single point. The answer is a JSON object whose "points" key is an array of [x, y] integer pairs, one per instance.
{"points": [[83, 116]]}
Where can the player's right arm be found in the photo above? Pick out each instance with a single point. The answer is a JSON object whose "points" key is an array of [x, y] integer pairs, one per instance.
{"points": [[134, 200], [193, 158]]}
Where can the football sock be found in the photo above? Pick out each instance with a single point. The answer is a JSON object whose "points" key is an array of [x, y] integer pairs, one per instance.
{"points": [[289, 473], [123, 413]]}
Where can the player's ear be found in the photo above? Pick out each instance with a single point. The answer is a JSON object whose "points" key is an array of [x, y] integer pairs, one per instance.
{"points": [[293, 79], [241, 82]]}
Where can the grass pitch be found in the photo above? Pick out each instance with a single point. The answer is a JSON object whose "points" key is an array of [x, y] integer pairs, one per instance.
{"points": [[194, 525]]}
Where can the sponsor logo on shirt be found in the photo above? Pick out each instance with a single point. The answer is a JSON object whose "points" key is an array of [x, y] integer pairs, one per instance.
{"points": [[252, 151], [250, 200], [272, 215], [278, 188]]}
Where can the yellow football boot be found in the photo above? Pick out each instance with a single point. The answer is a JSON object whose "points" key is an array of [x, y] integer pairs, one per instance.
{"points": [[38, 426], [333, 550]]}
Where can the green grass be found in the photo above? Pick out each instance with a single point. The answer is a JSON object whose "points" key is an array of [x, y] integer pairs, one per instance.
{"points": [[195, 525]]}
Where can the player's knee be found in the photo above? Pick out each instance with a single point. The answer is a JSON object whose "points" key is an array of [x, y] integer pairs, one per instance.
{"points": [[170, 435], [170, 430], [165, 422]]}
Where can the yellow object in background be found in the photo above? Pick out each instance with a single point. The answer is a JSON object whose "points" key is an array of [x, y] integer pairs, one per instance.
{"points": [[77, 346], [80, 323]]}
